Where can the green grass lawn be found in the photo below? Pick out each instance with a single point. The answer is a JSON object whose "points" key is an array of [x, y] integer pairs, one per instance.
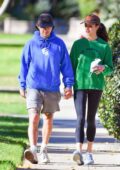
{"points": [[9, 71], [11, 103], [9, 65], [13, 131], [13, 141], [15, 36], [9, 60], [7, 165], [18, 38]]}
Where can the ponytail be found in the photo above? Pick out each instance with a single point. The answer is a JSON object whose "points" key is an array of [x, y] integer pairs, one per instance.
{"points": [[102, 33]]}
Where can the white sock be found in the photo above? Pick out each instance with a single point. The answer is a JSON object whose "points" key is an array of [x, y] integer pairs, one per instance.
{"points": [[43, 145], [89, 153], [33, 148], [78, 149]]}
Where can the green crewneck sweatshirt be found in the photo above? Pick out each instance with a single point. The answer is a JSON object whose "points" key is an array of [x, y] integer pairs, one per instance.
{"points": [[83, 52]]}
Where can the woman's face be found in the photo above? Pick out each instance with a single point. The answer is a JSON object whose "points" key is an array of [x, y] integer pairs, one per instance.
{"points": [[91, 29], [45, 32]]}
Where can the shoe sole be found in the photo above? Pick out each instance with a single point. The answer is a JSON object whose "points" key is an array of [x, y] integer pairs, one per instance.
{"points": [[89, 163], [30, 157], [44, 158], [78, 159], [45, 161]]}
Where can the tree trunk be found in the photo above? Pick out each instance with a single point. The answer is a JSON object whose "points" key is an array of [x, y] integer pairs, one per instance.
{"points": [[4, 6]]}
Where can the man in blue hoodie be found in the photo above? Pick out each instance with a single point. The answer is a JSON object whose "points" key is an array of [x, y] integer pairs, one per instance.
{"points": [[43, 58]]}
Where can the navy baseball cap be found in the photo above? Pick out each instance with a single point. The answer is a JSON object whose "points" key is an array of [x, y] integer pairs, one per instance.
{"points": [[45, 20]]}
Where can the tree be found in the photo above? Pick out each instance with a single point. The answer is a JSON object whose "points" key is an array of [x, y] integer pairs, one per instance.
{"points": [[30, 9], [3, 6], [86, 7], [64, 8], [22, 9], [109, 9]]}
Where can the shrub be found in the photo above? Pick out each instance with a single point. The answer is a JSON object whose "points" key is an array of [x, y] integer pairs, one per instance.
{"points": [[109, 111]]}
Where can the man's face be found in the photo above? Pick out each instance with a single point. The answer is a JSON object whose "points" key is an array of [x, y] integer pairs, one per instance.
{"points": [[45, 32]]}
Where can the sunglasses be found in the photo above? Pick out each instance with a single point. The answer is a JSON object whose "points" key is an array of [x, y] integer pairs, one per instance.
{"points": [[88, 25]]}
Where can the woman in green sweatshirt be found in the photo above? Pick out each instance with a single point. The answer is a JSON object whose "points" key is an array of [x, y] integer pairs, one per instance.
{"points": [[91, 60]]}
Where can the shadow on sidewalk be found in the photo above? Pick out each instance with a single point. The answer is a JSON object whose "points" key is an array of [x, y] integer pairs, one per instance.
{"points": [[64, 132]]}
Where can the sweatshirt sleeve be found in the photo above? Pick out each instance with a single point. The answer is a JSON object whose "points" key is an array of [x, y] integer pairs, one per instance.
{"points": [[24, 65], [73, 57], [66, 68], [107, 62]]}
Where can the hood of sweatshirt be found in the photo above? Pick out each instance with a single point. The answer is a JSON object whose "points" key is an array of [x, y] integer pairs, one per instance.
{"points": [[44, 42]]}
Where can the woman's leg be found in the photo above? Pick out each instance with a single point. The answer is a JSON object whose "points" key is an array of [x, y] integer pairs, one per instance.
{"points": [[93, 102], [80, 107]]}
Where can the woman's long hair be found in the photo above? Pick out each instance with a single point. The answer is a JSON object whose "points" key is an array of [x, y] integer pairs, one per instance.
{"points": [[102, 32]]}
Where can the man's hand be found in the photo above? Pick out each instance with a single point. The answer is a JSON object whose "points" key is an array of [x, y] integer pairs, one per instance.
{"points": [[67, 93], [22, 93]]}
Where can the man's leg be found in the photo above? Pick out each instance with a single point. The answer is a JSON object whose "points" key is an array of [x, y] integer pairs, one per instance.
{"points": [[47, 127], [50, 106], [46, 133], [33, 126], [31, 153]]}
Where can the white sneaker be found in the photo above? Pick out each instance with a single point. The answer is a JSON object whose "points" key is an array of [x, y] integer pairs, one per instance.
{"points": [[78, 158], [44, 156], [31, 156], [88, 159]]}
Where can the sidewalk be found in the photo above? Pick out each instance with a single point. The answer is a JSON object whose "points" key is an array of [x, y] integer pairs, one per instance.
{"points": [[62, 143]]}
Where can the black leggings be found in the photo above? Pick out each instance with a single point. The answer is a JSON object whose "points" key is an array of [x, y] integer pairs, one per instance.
{"points": [[86, 99]]}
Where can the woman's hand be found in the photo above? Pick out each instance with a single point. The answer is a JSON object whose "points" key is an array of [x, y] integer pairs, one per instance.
{"points": [[98, 69]]}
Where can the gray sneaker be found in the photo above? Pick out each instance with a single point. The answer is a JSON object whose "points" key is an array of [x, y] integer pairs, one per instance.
{"points": [[44, 156], [88, 159], [31, 156], [78, 158]]}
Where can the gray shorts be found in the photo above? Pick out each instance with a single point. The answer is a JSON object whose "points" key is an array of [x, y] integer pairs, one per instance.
{"points": [[45, 102]]}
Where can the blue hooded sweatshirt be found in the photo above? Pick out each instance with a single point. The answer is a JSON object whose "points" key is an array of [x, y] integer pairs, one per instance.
{"points": [[42, 61]]}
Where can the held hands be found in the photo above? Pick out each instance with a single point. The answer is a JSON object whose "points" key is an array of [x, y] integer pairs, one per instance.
{"points": [[22, 93], [67, 93]]}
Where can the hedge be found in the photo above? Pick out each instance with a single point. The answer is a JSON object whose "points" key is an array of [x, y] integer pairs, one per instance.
{"points": [[109, 111]]}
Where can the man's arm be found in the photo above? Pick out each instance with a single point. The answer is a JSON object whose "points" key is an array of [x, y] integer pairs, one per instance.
{"points": [[25, 62], [67, 72]]}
